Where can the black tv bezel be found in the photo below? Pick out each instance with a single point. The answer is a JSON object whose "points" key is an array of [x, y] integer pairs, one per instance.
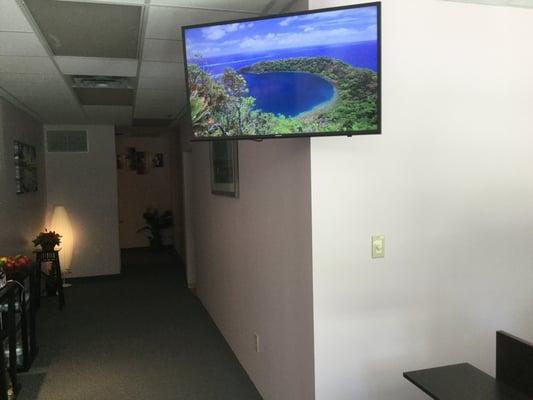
{"points": [[377, 131]]}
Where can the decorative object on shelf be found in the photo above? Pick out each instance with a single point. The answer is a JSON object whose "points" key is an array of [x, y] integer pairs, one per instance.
{"points": [[224, 168], [61, 223], [48, 240], [25, 167], [156, 223]]}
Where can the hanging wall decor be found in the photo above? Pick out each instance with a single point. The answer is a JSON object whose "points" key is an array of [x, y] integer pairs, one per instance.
{"points": [[25, 168], [224, 168]]}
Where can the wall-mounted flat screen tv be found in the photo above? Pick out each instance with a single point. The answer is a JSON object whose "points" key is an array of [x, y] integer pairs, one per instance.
{"points": [[314, 73]]}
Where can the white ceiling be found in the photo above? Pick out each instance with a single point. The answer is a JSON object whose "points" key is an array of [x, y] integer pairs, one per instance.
{"points": [[34, 78], [504, 3]]}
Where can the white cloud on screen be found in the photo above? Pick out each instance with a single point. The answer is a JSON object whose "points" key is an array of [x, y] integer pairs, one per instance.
{"points": [[218, 32], [307, 38], [287, 21], [277, 41], [329, 28]]}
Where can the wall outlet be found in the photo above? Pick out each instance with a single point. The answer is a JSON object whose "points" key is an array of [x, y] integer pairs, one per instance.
{"points": [[256, 337], [378, 246]]}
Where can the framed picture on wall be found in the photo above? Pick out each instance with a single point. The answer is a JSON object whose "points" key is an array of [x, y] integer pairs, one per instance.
{"points": [[224, 161], [25, 158], [143, 162]]}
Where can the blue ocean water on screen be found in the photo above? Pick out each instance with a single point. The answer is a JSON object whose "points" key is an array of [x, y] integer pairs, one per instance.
{"points": [[362, 55], [293, 93], [288, 93]]}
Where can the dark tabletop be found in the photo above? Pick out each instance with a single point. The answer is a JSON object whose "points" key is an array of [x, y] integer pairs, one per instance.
{"points": [[461, 382]]}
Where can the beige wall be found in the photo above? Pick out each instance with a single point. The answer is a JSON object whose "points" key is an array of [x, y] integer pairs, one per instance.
{"points": [[21, 215], [137, 192], [86, 184], [450, 185]]}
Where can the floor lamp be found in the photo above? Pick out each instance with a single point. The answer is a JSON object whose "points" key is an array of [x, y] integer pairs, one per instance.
{"points": [[61, 224]]}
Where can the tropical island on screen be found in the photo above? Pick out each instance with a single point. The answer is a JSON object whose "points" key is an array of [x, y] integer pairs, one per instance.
{"points": [[310, 73]]}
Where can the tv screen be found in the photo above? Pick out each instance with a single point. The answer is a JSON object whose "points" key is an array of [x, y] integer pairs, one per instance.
{"points": [[314, 73]]}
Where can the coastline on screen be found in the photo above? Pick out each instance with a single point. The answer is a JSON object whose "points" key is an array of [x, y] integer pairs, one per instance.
{"points": [[307, 74]]}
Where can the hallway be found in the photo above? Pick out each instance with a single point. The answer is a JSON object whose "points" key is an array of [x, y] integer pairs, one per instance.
{"points": [[140, 336]]}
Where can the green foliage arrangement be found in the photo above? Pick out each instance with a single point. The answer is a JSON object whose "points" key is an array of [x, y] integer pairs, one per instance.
{"points": [[223, 107], [156, 222], [47, 240]]}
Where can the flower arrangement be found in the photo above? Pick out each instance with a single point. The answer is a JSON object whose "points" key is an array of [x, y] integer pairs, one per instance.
{"points": [[47, 240], [17, 261]]}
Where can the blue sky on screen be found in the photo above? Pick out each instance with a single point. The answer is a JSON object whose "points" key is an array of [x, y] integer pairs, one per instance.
{"points": [[322, 28]]}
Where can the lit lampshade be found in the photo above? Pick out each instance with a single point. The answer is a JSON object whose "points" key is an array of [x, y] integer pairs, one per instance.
{"points": [[61, 224]]}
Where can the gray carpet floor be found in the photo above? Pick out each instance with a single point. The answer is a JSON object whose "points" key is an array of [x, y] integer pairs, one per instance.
{"points": [[140, 336]]}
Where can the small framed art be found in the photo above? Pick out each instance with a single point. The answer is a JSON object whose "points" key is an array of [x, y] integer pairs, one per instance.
{"points": [[224, 161]]}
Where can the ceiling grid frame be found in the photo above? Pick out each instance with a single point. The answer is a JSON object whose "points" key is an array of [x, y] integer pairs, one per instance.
{"points": [[145, 10]]}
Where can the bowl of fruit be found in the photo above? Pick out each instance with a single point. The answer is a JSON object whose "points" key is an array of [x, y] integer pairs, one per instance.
{"points": [[13, 263]]}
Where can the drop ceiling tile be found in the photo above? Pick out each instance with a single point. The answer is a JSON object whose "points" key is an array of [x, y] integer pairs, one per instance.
{"points": [[27, 65], [97, 66], [118, 115], [39, 99], [160, 70], [158, 103], [104, 97], [63, 117], [521, 3], [20, 44], [27, 85], [88, 30], [281, 6], [255, 6], [163, 50], [13, 100], [510, 3], [10, 78], [36, 90], [59, 104], [174, 82], [156, 112], [166, 22], [153, 95], [11, 17], [59, 111]]}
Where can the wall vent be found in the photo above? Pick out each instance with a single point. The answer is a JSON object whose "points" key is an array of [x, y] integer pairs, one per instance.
{"points": [[64, 141]]}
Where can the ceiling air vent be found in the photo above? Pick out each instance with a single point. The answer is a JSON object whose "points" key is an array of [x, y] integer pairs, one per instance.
{"points": [[64, 141], [101, 82]]}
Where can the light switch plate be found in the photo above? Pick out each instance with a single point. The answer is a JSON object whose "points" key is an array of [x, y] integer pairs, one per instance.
{"points": [[378, 246]]}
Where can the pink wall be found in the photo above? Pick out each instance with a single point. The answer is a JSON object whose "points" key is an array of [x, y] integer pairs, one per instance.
{"points": [[253, 262]]}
